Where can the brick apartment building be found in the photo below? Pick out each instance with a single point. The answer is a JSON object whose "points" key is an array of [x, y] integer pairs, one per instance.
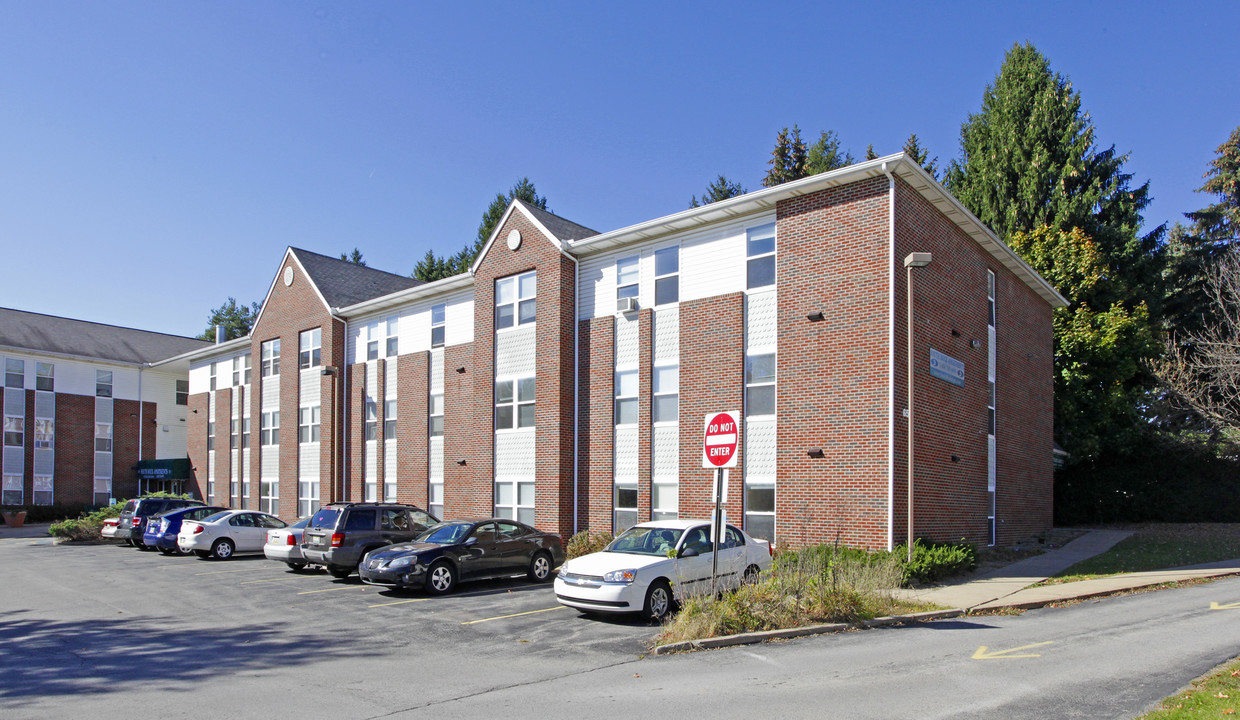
{"points": [[85, 405], [564, 379]]}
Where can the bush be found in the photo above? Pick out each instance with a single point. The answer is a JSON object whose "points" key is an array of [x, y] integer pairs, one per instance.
{"points": [[935, 561], [586, 542], [88, 525]]}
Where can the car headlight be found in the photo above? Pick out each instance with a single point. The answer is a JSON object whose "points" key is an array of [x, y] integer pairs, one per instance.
{"points": [[400, 562], [620, 576]]}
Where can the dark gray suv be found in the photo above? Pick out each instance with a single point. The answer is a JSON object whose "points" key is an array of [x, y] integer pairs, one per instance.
{"points": [[136, 513], [339, 535]]}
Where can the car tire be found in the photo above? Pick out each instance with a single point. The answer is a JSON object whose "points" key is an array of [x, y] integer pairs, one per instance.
{"points": [[658, 600], [296, 566], [540, 567], [166, 551], [203, 554], [440, 578], [222, 549], [339, 572], [751, 575], [176, 550]]}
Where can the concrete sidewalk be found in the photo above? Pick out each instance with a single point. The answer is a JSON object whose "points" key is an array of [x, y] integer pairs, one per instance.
{"points": [[29, 530]]}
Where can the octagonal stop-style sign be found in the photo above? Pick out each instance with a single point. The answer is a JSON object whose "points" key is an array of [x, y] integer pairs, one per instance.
{"points": [[721, 439]]}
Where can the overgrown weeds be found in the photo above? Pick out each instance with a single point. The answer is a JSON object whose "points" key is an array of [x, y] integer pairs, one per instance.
{"points": [[586, 542]]}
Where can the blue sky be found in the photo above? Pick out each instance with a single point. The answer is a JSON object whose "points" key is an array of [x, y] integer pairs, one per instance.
{"points": [[157, 157]]}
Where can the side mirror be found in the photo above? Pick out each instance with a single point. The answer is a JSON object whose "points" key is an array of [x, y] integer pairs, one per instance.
{"points": [[689, 552], [471, 541]]}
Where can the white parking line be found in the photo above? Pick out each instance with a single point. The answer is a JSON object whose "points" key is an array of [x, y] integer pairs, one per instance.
{"points": [[502, 617], [399, 602], [347, 587], [221, 572]]}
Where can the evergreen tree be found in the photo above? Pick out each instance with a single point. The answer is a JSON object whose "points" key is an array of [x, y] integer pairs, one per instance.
{"points": [[432, 267], [787, 159], [354, 257], [237, 320], [721, 189], [1030, 170], [913, 148], [869, 152], [825, 154]]}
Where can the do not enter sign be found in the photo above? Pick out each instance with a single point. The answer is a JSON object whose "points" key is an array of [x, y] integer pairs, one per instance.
{"points": [[721, 439]]}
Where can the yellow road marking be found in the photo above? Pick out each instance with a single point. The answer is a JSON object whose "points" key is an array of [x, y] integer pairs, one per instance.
{"points": [[399, 602], [1230, 606], [502, 617], [279, 579], [221, 572], [346, 587], [982, 653]]}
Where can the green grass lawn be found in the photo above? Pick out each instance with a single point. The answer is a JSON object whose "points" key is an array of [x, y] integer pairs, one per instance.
{"points": [[1157, 546], [1214, 695]]}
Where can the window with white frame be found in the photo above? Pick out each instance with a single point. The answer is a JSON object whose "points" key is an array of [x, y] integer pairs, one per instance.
{"points": [[628, 276], [245, 369], [666, 276], [269, 428], [760, 509], [44, 378], [245, 433], [44, 433], [270, 359], [665, 499], [182, 392], [515, 501], [666, 394], [269, 496], [210, 435], [515, 300], [232, 434], [389, 419], [211, 378], [760, 384], [372, 341], [307, 497], [626, 506], [308, 424], [14, 373], [103, 437], [43, 494], [370, 427], [12, 490], [393, 337], [439, 316], [435, 421], [514, 403], [103, 383], [310, 348], [760, 249], [434, 499], [990, 405], [236, 371], [14, 431], [627, 403]]}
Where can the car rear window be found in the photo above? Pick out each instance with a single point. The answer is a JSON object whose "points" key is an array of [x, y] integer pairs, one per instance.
{"points": [[216, 516], [360, 520], [300, 524], [325, 518], [129, 506]]}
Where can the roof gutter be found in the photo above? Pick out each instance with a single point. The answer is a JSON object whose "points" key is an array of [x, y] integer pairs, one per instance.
{"points": [[891, 354]]}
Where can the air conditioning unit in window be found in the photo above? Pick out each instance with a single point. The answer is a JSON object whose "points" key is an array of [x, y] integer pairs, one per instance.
{"points": [[626, 305]]}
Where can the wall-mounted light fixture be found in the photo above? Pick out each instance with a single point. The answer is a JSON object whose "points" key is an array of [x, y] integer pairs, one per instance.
{"points": [[816, 316], [461, 369], [329, 370], [194, 411], [955, 332], [460, 462], [975, 343], [955, 458], [815, 453]]}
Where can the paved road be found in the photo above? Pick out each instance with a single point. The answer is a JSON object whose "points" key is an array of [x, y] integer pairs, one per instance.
{"points": [[109, 632]]}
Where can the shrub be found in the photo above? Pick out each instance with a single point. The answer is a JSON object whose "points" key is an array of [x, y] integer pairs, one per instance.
{"points": [[88, 525], [935, 561], [586, 542]]}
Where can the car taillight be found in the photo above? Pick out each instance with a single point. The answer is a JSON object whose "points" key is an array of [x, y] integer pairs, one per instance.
{"points": [[337, 539], [292, 540], [136, 521], [197, 529]]}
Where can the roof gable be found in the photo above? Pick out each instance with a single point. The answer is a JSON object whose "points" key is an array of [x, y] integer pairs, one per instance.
{"points": [[556, 228], [342, 283]]}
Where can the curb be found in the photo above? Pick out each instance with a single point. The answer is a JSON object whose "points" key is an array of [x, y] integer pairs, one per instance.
{"points": [[764, 635], [1035, 604]]}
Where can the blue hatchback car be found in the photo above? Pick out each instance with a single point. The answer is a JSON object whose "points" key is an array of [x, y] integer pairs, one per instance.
{"points": [[161, 531]]}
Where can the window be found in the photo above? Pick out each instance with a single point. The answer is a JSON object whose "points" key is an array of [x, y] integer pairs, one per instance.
{"points": [[12, 490], [666, 276], [103, 383], [245, 435], [270, 360], [626, 507], [515, 301], [665, 499], [307, 497], [211, 386], [269, 496], [43, 490], [311, 349], [514, 403], [760, 385], [389, 419], [44, 433], [372, 419], [760, 510], [103, 437], [245, 369], [210, 435], [990, 411], [760, 248], [236, 371], [628, 274], [308, 424], [436, 415], [393, 337], [990, 296], [14, 431], [14, 373], [990, 403], [667, 394], [372, 344], [44, 378], [269, 428], [182, 397], [515, 501], [438, 323], [232, 437], [627, 404]]}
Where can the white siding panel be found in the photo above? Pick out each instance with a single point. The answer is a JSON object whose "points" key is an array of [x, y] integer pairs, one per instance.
{"points": [[415, 329], [372, 460], [627, 341], [626, 455], [760, 451], [44, 404], [211, 413], [351, 344], [271, 393], [458, 319], [389, 462], [515, 352], [124, 383], [667, 335], [308, 392], [15, 461], [436, 361], [665, 462], [44, 462], [199, 379], [761, 325], [514, 456], [270, 460], [308, 461], [596, 296], [713, 263], [14, 402], [389, 380], [435, 451]]}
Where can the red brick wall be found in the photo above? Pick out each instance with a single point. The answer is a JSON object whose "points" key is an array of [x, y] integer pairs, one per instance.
{"points": [[467, 436], [412, 408], [74, 478], [222, 468], [356, 418], [596, 423], [379, 393], [196, 442]]}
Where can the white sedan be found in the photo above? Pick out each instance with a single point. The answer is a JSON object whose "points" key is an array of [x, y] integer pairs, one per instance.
{"points": [[637, 571], [227, 532], [285, 544]]}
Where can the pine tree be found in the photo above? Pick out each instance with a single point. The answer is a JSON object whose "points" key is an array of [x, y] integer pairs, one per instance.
{"points": [[825, 154], [869, 152], [354, 257], [721, 189], [913, 148], [236, 318], [432, 267], [787, 159]]}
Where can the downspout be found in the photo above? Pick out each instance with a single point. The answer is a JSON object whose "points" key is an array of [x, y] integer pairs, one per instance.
{"points": [[891, 350], [339, 404], [576, 390], [141, 426]]}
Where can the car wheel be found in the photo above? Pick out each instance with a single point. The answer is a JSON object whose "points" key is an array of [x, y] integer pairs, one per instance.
{"points": [[658, 600], [222, 549], [339, 572], [203, 554], [296, 566], [441, 578], [178, 550], [540, 567], [751, 575], [166, 551]]}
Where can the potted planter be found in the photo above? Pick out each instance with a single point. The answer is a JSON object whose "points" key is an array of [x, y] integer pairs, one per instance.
{"points": [[14, 519]]}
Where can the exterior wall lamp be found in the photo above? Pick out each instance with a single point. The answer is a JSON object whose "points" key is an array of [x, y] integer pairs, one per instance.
{"points": [[913, 260]]}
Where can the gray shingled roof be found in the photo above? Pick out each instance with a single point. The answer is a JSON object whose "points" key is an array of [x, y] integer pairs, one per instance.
{"points": [[52, 334], [558, 226], [344, 283]]}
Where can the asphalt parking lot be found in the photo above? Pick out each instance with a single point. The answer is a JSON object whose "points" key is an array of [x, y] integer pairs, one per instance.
{"points": [[98, 626]]}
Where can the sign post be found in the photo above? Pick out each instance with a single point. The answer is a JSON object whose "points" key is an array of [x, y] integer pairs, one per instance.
{"points": [[720, 442]]}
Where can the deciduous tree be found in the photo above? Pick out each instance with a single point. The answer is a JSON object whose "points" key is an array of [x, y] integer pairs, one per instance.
{"points": [[237, 319]]}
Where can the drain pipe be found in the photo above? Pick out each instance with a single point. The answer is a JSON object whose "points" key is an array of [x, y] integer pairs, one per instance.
{"points": [[891, 345], [576, 393], [338, 406]]}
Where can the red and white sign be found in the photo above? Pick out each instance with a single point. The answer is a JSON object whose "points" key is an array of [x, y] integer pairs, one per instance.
{"points": [[721, 439]]}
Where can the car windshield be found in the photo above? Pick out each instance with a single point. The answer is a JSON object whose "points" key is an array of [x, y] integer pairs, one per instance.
{"points": [[445, 533], [645, 541], [325, 518], [216, 516]]}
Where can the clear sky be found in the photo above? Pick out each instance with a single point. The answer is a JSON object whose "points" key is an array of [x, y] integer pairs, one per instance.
{"points": [[157, 157]]}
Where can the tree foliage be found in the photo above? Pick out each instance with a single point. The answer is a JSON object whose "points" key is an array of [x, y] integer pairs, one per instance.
{"points": [[921, 156], [433, 267], [787, 159], [826, 155], [720, 189], [354, 257], [237, 319]]}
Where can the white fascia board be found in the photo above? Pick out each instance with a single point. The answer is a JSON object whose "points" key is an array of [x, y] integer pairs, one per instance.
{"points": [[223, 348], [401, 297], [513, 204]]}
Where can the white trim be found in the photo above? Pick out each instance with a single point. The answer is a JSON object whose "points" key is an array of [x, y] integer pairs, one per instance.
{"points": [[278, 279]]}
